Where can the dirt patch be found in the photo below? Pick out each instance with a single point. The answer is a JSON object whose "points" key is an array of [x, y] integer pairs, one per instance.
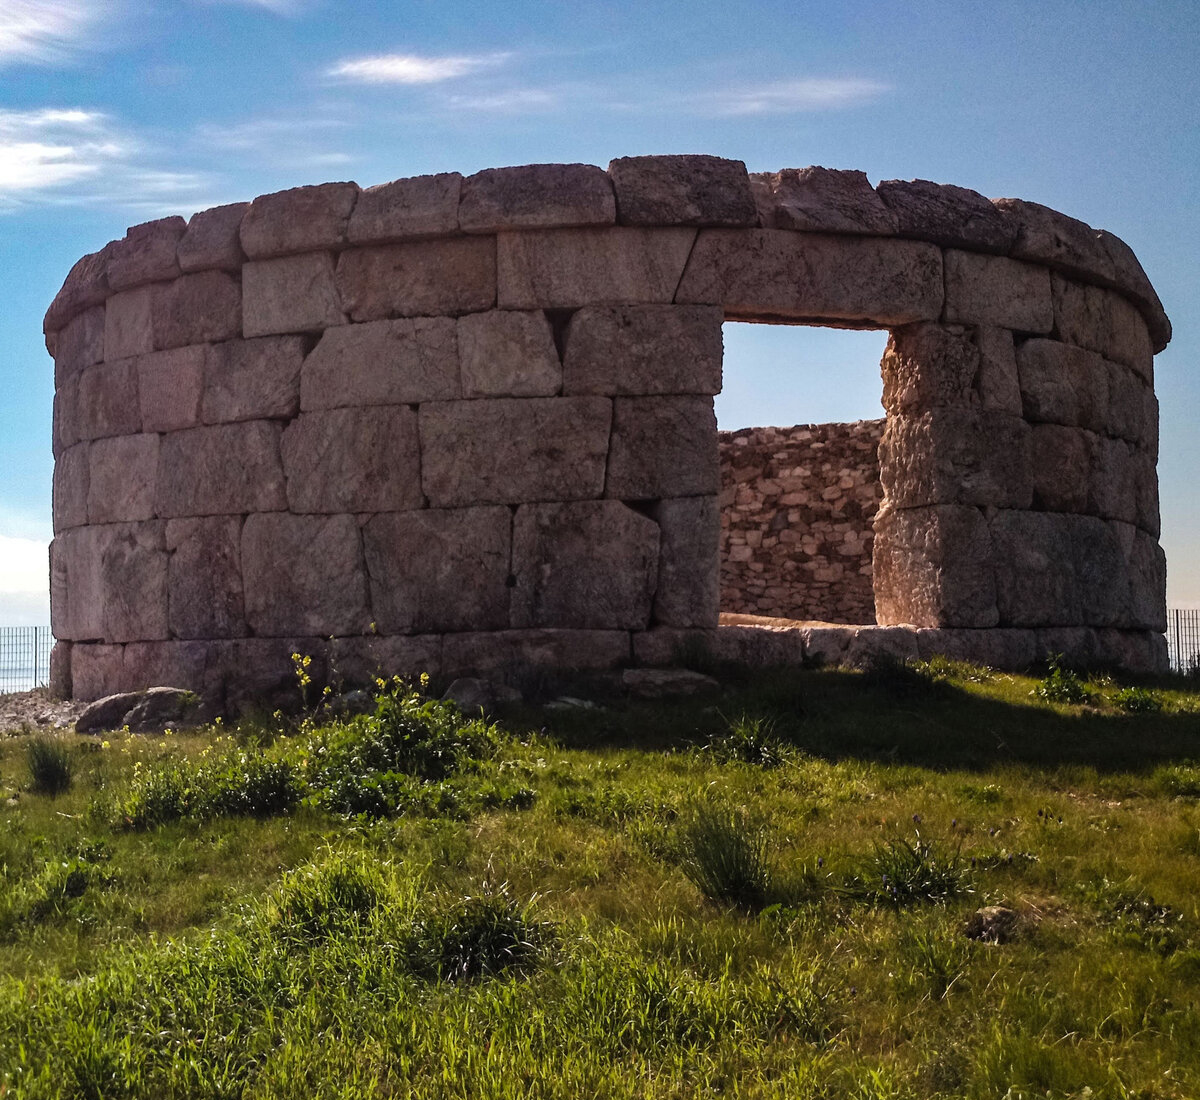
{"points": [[26, 711]]}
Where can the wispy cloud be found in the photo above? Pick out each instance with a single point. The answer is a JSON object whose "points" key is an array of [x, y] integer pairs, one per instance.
{"points": [[790, 96], [404, 68], [42, 31], [279, 7], [508, 101]]}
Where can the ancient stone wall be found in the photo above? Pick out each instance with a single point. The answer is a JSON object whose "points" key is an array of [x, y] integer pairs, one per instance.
{"points": [[798, 509], [451, 424]]}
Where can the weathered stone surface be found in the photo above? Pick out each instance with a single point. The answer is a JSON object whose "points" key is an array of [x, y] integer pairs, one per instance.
{"points": [[129, 324], [1061, 465], [536, 196], [1133, 650], [687, 593], [226, 469], [1112, 489], [1132, 280], [590, 564], [260, 672], [252, 379], [363, 660], [407, 209], [927, 366], [514, 651], [662, 447], [1062, 384], [954, 217], [95, 670], [669, 645], [1127, 340], [1147, 566], [302, 219], [213, 239], [353, 460], [439, 569], [1149, 442], [290, 294], [123, 473], [994, 290], [1145, 486], [304, 575], [508, 353], [407, 361], [1126, 403], [71, 472], [640, 350], [204, 578], [106, 401], [183, 663], [764, 274], [59, 681], [196, 309], [1080, 645], [170, 388], [146, 254], [513, 450], [666, 683], [159, 708], [568, 268], [682, 190], [107, 713], [822, 200], [956, 456], [64, 425], [998, 648], [80, 344], [826, 645], [86, 285], [1102, 321], [1048, 237], [934, 567], [448, 277], [998, 381], [871, 646]]}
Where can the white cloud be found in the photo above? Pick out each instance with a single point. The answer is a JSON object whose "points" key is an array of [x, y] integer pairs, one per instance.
{"points": [[400, 68], [792, 96], [279, 7], [41, 31], [509, 101], [24, 581]]}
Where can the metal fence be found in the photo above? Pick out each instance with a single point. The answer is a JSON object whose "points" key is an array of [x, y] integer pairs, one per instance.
{"points": [[1183, 638], [24, 657]]}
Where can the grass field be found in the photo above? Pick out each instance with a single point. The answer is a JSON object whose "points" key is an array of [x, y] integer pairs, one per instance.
{"points": [[761, 892]]}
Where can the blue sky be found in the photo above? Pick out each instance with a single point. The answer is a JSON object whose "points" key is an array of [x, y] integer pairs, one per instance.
{"points": [[116, 111]]}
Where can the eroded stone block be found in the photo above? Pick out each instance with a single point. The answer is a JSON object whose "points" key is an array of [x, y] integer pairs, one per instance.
{"points": [[290, 294], [225, 469], [123, 475], [1132, 279], [1145, 487], [511, 652], [204, 578], [820, 200], [954, 217], [998, 381], [1112, 490], [587, 564], [255, 379], [1147, 583], [407, 209], [1126, 404], [304, 575], [353, 460], [71, 471], [1061, 465], [133, 582], [213, 239], [536, 196], [170, 388], [106, 401], [688, 567], [80, 344], [508, 353], [129, 323], [642, 350], [146, 254], [513, 450], [1045, 236], [994, 290], [682, 190], [1012, 650], [86, 285], [663, 447], [302, 219], [1062, 384], [96, 671], [439, 569], [928, 366], [197, 309]]}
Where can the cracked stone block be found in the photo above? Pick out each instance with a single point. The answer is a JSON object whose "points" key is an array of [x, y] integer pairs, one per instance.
{"points": [[290, 294], [951, 216], [535, 196], [256, 379], [508, 353], [996, 290], [170, 388], [146, 254], [663, 447], [682, 190], [122, 478], [204, 577], [302, 219], [820, 200], [225, 469], [407, 209], [213, 239]]}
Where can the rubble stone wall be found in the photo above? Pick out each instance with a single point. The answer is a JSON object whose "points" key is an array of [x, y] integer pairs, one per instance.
{"points": [[452, 424], [798, 509]]}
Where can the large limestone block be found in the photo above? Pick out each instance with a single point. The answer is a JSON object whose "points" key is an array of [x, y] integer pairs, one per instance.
{"points": [[353, 460], [60, 671], [762, 274], [1127, 339], [439, 569], [122, 477], [255, 379], [361, 661], [995, 290], [536, 196], [1102, 575], [1112, 485], [302, 219], [1047, 237], [181, 664], [1147, 583], [96, 671], [998, 381], [927, 366], [204, 578], [956, 456], [569, 268], [1145, 487], [682, 190], [1126, 404], [86, 285], [213, 239], [146, 254], [76, 610], [1131, 279], [225, 469], [64, 424], [1010, 650], [407, 209], [663, 447], [80, 344], [133, 582], [1061, 465], [508, 353], [258, 672], [70, 499], [513, 450], [170, 387], [290, 294], [1149, 442], [418, 278], [934, 567], [642, 350], [1143, 651], [954, 217], [304, 575], [820, 200], [587, 564], [688, 591], [1102, 321], [106, 401], [129, 323], [516, 652], [1062, 384], [871, 644], [673, 646], [196, 309], [402, 362]]}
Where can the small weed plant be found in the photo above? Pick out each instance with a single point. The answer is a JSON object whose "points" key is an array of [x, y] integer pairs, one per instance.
{"points": [[726, 857], [749, 739], [48, 762], [1062, 684], [903, 872]]}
